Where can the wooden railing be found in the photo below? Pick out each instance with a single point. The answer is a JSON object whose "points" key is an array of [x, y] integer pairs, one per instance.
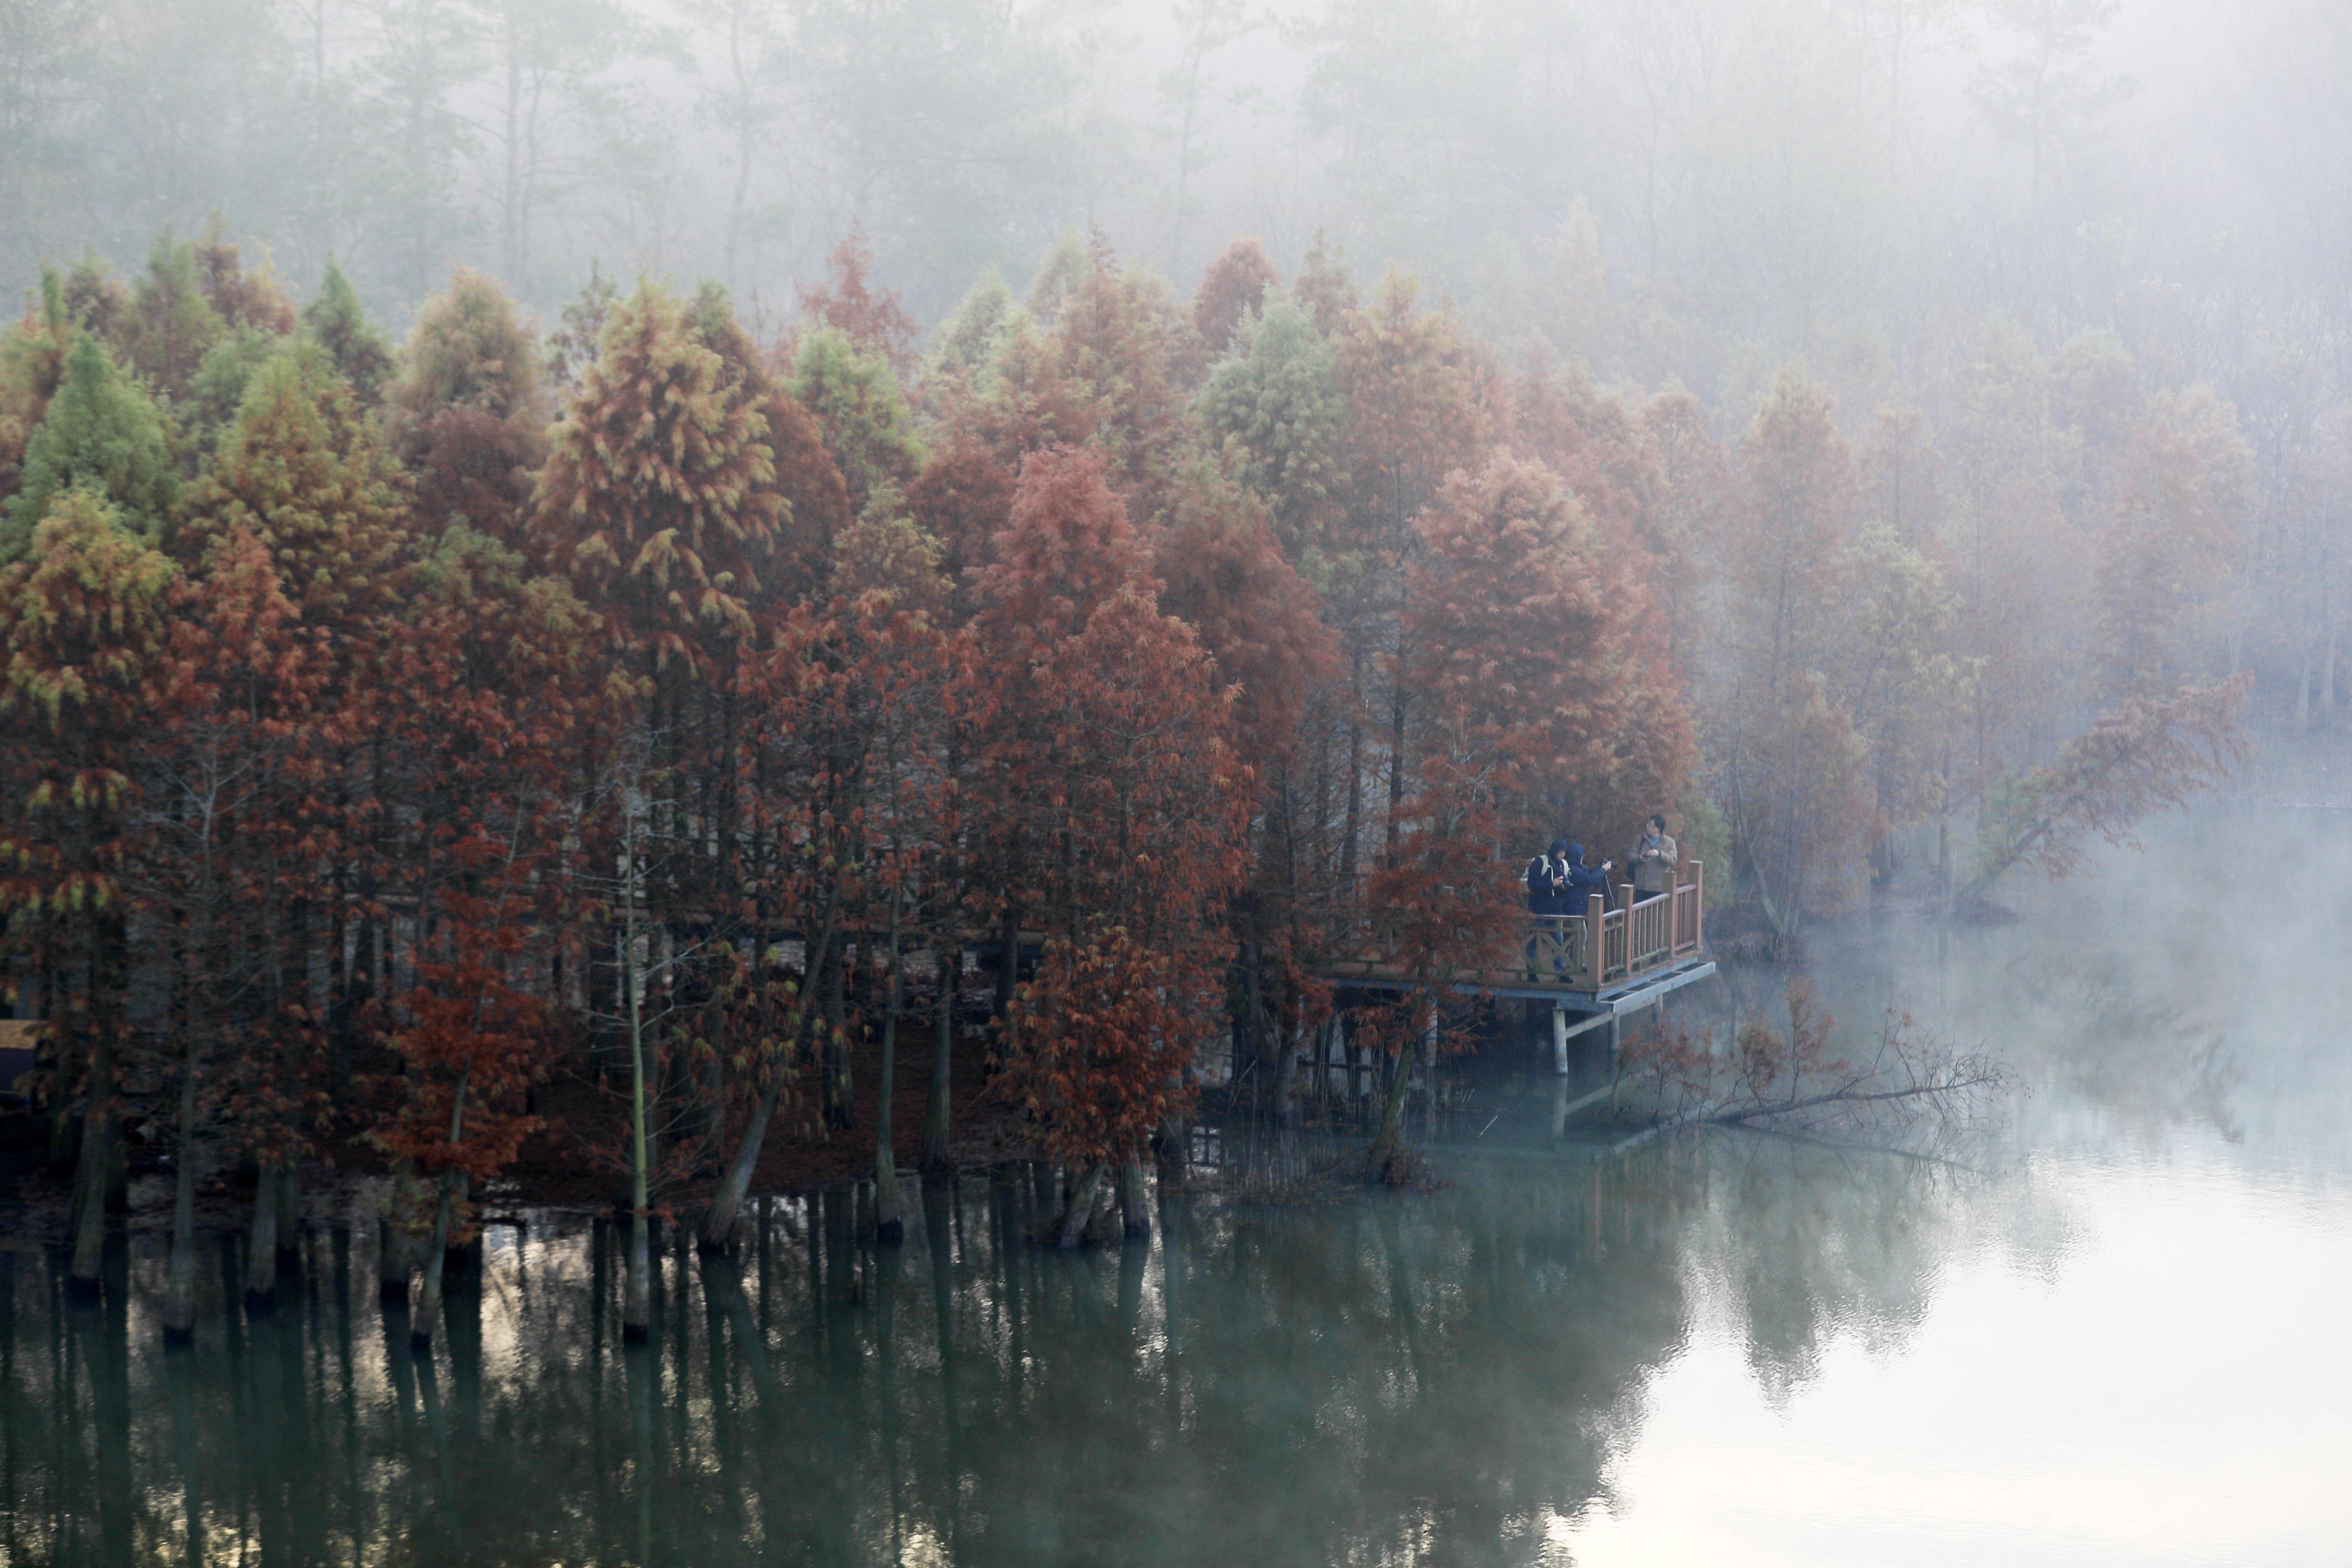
{"points": [[1608, 945], [1635, 935]]}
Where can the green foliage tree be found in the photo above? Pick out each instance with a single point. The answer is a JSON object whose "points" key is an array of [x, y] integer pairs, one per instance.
{"points": [[855, 395], [103, 434], [658, 496], [169, 325], [337, 323], [304, 470], [1277, 409]]}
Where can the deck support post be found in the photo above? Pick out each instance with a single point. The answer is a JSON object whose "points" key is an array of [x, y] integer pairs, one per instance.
{"points": [[1560, 1041]]}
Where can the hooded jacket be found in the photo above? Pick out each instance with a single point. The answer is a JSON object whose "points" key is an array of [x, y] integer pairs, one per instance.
{"points": [[1581, 881]]}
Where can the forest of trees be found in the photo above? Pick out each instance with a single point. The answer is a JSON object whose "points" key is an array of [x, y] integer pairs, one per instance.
{"points": [[384, 729]]}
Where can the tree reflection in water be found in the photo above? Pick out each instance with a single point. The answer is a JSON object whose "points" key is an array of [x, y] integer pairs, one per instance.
{"points": [[1374, 1379]]}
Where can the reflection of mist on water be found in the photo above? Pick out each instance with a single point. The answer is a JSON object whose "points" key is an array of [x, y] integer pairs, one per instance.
{"points": [[2105, 1337]]}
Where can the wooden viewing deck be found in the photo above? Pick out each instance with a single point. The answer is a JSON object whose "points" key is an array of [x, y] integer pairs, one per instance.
{"points": [[1616, 958]]}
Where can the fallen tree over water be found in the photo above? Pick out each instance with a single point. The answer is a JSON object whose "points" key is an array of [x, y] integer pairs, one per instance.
{"points": [[1910, 1082]]}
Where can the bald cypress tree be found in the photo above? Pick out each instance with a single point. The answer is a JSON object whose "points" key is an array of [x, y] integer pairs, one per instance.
{"points": [[32, 368], [658, 503], [169, 325], [657, 497], [101, 432], [82, 636], [466, 415], [305, 472], [301, 473], [336, 322]]}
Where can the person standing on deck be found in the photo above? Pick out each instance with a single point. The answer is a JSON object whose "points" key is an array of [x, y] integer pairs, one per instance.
{"points": [[1582, 880], [1547, 879], [1653, 862]]}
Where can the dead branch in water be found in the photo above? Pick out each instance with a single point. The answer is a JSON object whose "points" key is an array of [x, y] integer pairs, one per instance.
{"points": [[1790, 1081]]}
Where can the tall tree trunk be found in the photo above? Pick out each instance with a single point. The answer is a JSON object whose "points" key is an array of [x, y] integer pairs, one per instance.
{"points": [[437, 1257], [839, 1110], [1008, 958], [1248, 1035], [93, 1172], [391, 1268], [936, 1113], [289, 1210], [180, 1281], [1171, 1148], [636, 1292], [1285, 1081]]}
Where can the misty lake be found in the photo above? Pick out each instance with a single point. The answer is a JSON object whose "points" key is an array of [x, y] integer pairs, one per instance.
{"points": [[2111, 1331]]}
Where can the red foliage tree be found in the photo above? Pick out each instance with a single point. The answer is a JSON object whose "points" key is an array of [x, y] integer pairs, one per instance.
{"points": [[228, 781], [472, 1040], [963, 500], [1225, 576], [1233, 289], [847, 299], [1104, 787], [1105, 1039]]}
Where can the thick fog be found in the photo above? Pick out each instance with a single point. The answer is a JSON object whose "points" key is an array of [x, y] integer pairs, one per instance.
{"points": [[1686, 189]]}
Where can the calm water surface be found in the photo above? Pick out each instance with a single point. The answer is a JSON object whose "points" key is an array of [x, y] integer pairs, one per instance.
{"points": [[2116, 1332]]}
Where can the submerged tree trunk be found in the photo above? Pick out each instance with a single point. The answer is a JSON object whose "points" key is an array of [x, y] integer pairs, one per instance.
{"points": [[1134, 1202], [1388, 1141], [889, 1223], [180, 1281], [437, 1257], [93, 1171], [436, 1263], [261, 1243], [1080, 1209], [636, 1292], [935, 1112], [391, 1262], [719, 1220]]}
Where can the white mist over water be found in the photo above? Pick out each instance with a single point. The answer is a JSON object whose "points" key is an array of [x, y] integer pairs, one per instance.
{"points": [[2125, 1342], [2175, 1388]]}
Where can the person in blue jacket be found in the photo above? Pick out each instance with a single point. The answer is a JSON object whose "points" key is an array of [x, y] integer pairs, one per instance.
{"points": [[1581, 881]]}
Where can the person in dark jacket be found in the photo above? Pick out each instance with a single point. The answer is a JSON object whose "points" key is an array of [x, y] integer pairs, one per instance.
{"points": [[1581, 881], [1546, 878]]}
